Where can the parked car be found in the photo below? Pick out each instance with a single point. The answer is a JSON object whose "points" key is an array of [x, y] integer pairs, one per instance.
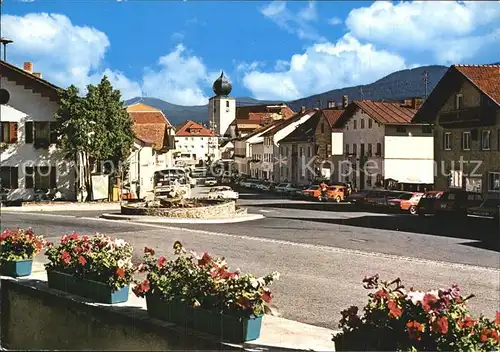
{"points": [[456, 202], [248, 183], [265, 186], [426, 203], [312, 192], [222, 192], [488, 210], [358, 197], [406, 201], [375, 196], [390, 199], [210, 181], [283, 187], [336, 193]]}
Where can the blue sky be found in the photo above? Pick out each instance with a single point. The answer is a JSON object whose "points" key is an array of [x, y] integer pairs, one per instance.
{"points": [[270, 50]]}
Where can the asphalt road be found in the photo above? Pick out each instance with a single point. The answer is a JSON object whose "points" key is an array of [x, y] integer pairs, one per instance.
{"points": [[322, 255]]}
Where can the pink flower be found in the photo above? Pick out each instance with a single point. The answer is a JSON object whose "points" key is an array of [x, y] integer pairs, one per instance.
{"points": [[161, 262], [65, 257], [82, 260]]}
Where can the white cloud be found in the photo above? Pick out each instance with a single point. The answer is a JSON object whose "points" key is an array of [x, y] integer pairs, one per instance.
{"points": [[69, 54], [177, 37], [298, 24], [334, 21], [179, 78], [309, 13], [244, 66], [323, 67], [450, 30]]}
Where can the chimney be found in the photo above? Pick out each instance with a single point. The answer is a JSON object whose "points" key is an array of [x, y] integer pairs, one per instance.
{"points": [[302, 109], [331, 104], [37, 74], [416, 103], [345, 101], [28, 66]]}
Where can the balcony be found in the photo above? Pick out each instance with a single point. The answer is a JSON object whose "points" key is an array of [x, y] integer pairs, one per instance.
{"points": [[468, 117]]}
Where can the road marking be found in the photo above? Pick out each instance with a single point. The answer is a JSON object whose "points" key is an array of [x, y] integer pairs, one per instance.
{"points": [[284, 242]]}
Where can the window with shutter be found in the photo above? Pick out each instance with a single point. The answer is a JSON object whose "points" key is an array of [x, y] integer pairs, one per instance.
{"points": [[29, 182], [28, 131], [12, 132]]}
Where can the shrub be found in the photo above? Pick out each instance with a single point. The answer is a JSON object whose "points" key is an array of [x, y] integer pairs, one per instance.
{"points": [[19, 244], [204, 281], [98, 258], [399, 320]]}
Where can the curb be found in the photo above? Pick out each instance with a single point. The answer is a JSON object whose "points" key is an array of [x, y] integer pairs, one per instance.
{"points": [[67, 207], [157, 220]]}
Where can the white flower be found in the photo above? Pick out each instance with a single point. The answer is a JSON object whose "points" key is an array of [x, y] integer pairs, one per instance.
{"points": [[276, 275], [415, 296], [254, 283], [261, 281], [120, 243], [121, 263]]}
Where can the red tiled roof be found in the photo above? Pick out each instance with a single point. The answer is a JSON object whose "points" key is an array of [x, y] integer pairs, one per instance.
{"points": [[192, 129], [149, 117], [151, 132], [284, 123], [384, 113], [332, 115], [256, 112], [484, 77]]}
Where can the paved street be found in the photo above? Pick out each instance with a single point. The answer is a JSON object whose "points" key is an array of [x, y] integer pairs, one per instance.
{"points": [[322, 255]]}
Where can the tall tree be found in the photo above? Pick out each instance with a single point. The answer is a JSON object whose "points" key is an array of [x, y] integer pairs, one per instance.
{"points": [[94, 128]]}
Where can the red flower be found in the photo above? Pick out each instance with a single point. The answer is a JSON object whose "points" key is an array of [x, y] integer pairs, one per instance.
{"points": [[161, 262], [267, 296], [85, 238], [82, 260], [428, 302], [142, 288], [148, 250], [380, 294], [204, 260], [440, 325], [120, 272], [394, 309], [489, 334], [78, 249], [468, 322], [414, 330], [65, 257]]}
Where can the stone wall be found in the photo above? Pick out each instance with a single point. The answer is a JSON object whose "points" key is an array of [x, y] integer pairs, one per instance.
{"points": [[213, 209], [37, 318]]}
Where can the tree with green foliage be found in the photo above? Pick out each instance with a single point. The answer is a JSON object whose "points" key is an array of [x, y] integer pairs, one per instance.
{"points": [[94, 128]]}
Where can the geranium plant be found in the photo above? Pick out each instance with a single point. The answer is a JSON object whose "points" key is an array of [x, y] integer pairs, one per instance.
{"points": [[204, 281], [19, 244], [396, 319], [98, 258]]}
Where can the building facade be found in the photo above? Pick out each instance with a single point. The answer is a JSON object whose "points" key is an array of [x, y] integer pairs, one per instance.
{"points": [[324, 142], [465, 110], [382, 148], [31, 162], [195, 144]]}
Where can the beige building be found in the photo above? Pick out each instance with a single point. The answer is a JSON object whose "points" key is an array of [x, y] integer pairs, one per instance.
{"points": [[465, 110], [382, 147]]}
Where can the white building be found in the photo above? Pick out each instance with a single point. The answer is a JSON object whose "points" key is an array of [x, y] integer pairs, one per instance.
{"points": [[221, 107], [151, 125], [381, 146], [272, 138], [195, 143], [30, 159]]}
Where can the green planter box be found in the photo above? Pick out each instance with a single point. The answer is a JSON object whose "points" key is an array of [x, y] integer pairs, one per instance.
{"points": [[93, 290], [16, 268], [225, 327]]}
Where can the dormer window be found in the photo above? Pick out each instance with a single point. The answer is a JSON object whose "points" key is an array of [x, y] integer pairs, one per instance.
{"points": [[459, 99]]}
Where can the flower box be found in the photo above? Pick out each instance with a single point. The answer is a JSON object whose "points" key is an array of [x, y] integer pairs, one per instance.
{"points": [[227, 327], [16, 268], [93, 290]]}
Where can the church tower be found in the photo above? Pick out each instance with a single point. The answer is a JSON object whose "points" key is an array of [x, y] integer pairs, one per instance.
{"points": [[221, 107]]}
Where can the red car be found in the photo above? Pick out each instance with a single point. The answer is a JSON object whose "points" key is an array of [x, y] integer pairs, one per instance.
{"points": [[406, 201]]}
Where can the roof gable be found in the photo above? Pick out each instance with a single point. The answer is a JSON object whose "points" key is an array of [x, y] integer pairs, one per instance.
{"points": [[142, 107], [192, 129], [284, 123], [385, 113], [29, 81], [485, 78], [332, 115], [305, 131]]}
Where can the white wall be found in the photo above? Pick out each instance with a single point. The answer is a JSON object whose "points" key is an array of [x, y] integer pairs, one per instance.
{"points": [[24, 105], [409, 159], [197, 147], [225, 112]]}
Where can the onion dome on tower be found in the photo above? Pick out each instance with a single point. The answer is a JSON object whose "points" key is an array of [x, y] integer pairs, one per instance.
{"points": [[222, 86]]}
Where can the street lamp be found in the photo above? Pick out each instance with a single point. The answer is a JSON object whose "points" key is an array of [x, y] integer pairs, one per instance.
{"points": [[4, 41]]}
